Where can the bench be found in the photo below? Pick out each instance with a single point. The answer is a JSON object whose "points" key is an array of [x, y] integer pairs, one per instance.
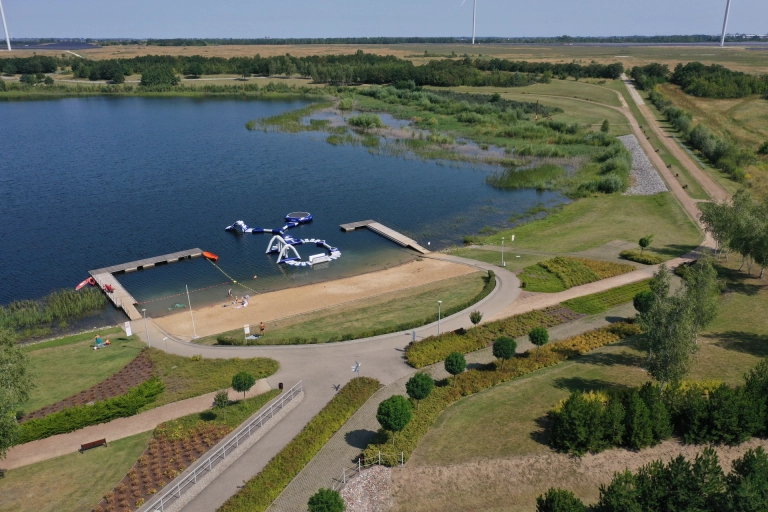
{"points": [[92, 444]]}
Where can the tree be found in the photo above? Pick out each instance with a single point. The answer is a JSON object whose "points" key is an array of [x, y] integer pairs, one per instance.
{"points": [[48, 80], [243, 382], [621, 495], [645, 242], [326, 500], [394, 414], [15, 386], [559, 500], [221, 400], [455, 364], [475, 317], [28, 79], [702, 291], [748, 482], [419, 387], [159, 76], [2, 85], [9, 68], [643, 301], [539, 336], [605, 127], [504, 349], [195, 69], [638, 423]]}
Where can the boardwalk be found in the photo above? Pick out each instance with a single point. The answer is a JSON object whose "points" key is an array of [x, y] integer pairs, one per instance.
{"points": [[386, 232]]}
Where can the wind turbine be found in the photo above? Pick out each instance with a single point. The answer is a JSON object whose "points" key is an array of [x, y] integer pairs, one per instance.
{"points": [[725, 22], [5, 27], [474, 15]]}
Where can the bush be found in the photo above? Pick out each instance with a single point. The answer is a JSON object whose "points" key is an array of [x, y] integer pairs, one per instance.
{"points": [[229, 339], [644, 258], [366, 121], [559, 500], [539, 336], [394, 414], [419, 387], [159, 76], [763, 149], [455, 364], [261, 490], [643, 301], [75, 418], [577, 427], [326, 500]]}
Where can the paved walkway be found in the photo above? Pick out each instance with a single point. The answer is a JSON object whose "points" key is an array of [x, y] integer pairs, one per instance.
{"points": [[62, 444]]}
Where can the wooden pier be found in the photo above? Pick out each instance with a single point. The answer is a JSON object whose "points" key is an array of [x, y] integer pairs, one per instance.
{"points": [[120, 296], [386, 232]]}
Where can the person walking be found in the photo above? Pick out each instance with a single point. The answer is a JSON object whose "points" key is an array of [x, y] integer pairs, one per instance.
{"points": [[262, 328]]}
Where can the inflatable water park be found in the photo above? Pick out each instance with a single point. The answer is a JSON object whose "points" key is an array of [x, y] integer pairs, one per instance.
{"points": [[284, 245]]}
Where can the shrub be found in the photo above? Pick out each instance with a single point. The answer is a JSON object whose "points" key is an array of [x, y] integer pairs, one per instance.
{"points": [[419, 387], [455, 364], [366, 121], [610, 183], [643, 301], [261, 490], [229, 339], [559, 500], [763, 149], [504, 349], [578, 426], [645, 259], [326, 500], [243, 382], [394, 414], [539, 336], [661, 422], [475, 317], [75, 418], [638, 422]]}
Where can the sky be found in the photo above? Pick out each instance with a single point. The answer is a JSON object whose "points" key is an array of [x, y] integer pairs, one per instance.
{"points": [[357, 18]]}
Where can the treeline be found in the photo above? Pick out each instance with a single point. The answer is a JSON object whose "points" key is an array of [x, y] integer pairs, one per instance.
{"points": [[723, 154], [700, 485], [359, 67], [696, 79]]}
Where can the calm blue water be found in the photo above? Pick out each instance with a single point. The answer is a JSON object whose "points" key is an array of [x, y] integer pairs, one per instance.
{"points": [[92, 182]]}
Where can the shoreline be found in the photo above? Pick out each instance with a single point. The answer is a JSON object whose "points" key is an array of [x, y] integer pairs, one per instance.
{"points": [[272, 306]]}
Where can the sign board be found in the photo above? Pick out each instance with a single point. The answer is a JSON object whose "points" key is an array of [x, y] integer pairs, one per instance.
{"points": [[513, 238], [128, 328], [247, 329]]}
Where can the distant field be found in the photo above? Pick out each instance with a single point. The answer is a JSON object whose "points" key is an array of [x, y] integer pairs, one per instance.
{"points": [[734, 57]]}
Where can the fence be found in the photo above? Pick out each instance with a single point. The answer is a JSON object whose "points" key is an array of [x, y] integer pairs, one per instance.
{"points": [[168, 496], [347, 472]]}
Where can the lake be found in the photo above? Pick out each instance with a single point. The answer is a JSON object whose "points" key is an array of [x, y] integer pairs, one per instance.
{"points": [[92, 182]]}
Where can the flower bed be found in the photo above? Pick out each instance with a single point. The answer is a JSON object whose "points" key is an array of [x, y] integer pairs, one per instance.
{"points": [[603, 301], [476, 380], [646, 258], [563, 272], [436, 348]]}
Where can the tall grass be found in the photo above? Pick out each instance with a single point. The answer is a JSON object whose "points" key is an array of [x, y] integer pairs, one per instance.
{"points": [[58, 307], [542, 177]]}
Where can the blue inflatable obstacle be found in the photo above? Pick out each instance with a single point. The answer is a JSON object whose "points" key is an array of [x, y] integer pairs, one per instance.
{"points": [[284, 245]]}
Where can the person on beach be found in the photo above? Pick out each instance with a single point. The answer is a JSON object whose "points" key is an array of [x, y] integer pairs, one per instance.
{"points": [[262, 328], [229, 293]]}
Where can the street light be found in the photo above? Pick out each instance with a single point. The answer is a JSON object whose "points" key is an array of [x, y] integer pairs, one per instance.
{"points": [[146, 329], [439, 303], [166, 343], [503, 264]]}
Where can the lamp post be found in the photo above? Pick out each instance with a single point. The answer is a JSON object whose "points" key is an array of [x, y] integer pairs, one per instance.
{"points": [[146, 329], [439, 303], [166, 343], [503, 264], [194, 330]]}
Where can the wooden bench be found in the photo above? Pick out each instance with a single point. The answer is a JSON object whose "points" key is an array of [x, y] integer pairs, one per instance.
{"points": [[92, 444]]}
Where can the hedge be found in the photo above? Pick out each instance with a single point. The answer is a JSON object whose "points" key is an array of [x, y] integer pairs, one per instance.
{"points": [[642, 257], [436, 348], [490, 284], [75, 418], [261, 490], [487, 376]]}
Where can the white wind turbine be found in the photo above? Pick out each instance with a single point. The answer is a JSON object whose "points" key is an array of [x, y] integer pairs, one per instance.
{"points": [[474, 15], [5, 27], [725, 22]]}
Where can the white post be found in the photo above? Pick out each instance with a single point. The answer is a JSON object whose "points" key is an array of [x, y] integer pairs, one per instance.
{"points": [[194, 330], [439, 303], [502, 253], [5, 27], [725, 23], [474, 14], [146, 329]]}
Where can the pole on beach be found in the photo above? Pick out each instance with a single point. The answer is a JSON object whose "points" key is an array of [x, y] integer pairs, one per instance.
{"points": [[194, 330], [439, 303], [146, 329]]}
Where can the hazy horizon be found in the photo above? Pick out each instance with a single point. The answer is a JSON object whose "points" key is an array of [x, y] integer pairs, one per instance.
{"points": [[165, 19]]}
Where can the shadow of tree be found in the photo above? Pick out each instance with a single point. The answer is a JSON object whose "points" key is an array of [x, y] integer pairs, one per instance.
{"points": [[673, 249], [359, 438], [745, 342], [583, 384], [541, 434], [614, 359]]}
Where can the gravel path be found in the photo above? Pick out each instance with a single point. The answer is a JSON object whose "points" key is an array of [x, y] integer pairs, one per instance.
{"points": [[647, 180], [370, 491]]}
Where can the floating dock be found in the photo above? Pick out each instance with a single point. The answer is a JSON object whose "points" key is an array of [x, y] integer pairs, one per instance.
{"points": [[120, 296], [386, 232]]}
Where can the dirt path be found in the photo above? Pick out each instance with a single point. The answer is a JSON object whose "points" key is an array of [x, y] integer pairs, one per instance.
{"points": [[271, 306], [512, 484], [62, 444]]}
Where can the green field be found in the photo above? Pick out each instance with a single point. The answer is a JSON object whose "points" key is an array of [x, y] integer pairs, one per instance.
{"points": [[71, 482], [593, 221], [382, 312], [63, 368]]}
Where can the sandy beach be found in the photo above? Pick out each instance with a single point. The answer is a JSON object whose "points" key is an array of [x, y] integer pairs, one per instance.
{"points": [[271, 306]]}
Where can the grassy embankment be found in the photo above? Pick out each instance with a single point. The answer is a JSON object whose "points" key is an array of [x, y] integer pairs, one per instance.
{"points": [[743, 121], [510, 420], [67, 366], [386, 311], [681, 173]]}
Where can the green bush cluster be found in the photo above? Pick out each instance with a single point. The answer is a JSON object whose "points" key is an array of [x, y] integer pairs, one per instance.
{"points": [[484, 377], [261, 490], [366, 121], [697, 413], [75, 418], [436, 348], [559, 500], [642, 257], [681, 485]]}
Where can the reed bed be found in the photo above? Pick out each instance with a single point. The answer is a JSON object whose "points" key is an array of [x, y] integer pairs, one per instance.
{"points": [[57, 308]]}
